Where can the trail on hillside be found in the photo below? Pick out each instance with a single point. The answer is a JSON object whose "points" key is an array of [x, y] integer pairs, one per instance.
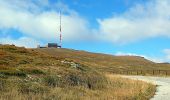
{"points": [[163, 89]]}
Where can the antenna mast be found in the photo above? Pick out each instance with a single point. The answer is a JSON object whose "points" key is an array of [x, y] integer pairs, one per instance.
{"points": [[60, 31]]}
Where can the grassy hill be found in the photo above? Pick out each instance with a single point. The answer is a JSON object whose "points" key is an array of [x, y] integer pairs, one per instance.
{"points": [[108, 63], [62, 74]]}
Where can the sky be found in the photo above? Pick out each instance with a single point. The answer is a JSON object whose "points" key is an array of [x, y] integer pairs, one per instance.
{"points": [[117, 27]]}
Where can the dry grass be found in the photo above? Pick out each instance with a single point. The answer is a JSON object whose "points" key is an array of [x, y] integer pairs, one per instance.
{"points": [[130, 89], [117, 89], [27, 74], [108, 63]]}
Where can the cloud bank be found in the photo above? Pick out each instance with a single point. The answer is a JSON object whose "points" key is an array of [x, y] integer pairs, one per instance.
{"points": [[154, 59], [167, 54], [40, 20], [165, 58], [23, 41], [139, 22]]}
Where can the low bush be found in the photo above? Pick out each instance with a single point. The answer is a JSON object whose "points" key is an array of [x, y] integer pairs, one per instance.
{"points": [[13, 73], [90, 80], [32, 71], [37, 71], [52, 80]]}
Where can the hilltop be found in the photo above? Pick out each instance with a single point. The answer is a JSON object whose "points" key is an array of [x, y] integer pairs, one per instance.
{"points": [[62, 74], [105, 62]]}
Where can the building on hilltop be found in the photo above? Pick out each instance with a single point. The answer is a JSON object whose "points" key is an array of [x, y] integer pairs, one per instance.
{"points": [[50, 45], [54, 45]]}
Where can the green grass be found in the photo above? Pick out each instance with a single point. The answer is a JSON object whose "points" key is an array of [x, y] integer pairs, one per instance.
{"points": [[12, 73]]}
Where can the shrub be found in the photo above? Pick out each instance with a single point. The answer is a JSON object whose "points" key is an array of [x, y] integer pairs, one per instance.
{"points": [[89, 80], [13, 73], [30, 70], [75, 80], [37, 71], [52, 80], [2, 76]]}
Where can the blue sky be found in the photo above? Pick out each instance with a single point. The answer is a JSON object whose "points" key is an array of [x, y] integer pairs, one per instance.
{"points": [[119, 27]]}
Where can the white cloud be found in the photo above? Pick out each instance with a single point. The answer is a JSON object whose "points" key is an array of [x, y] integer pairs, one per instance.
{"points": [[162, 59], [139, 22], [23, 41], [167, 54], [40, 20], [154, 59], [32, 20]]}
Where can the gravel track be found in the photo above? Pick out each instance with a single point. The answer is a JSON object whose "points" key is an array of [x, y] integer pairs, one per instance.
{"points": [[163, 89]]}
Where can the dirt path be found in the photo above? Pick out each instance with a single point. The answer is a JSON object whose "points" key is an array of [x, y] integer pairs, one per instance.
{"points": [[163, 89]]}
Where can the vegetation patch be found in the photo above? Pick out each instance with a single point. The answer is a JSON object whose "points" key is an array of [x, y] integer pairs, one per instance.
{"points": [[27, 74], [13, 73], [52, 80], [29, 87], [29, 70]]}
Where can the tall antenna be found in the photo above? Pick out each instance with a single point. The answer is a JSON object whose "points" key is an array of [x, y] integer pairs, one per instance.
{"points": [[60, 31]]}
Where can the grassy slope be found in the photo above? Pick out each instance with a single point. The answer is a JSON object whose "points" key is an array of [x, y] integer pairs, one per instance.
{"points": [[105, 62], [33, 74]]}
